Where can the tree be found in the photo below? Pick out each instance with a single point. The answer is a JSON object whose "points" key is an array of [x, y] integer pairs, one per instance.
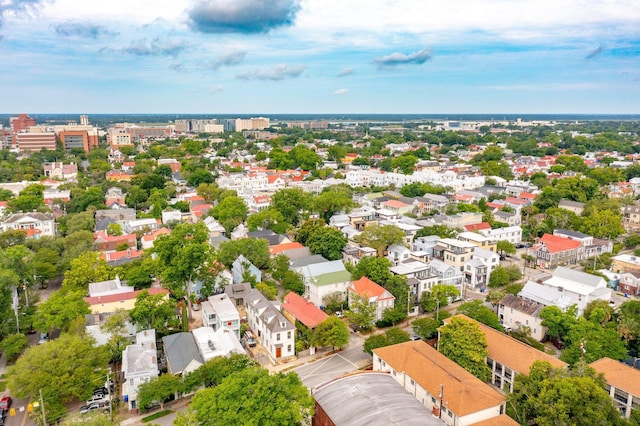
{"points": [[330, 332], [269, 291], [441, 231], [214, 371], [292, 203], [506, 247], [293, 281], [87, 268], [463, 342], [553, 397], [154, 311], [327, 242], [499, 277], [198, 177], [476, 310], [332, 200], [361, 313], [374, 268], [230, 212], [115, 328], [309, 227], [60, 310], [590, 341], [253, 396], [427, 328], [333, 302], [183, 256], [558, 323], [256, 250], [438, 297], [13, 345], [63, 369], [158, 389], [264, 219], [380, 237], [392, 336]]}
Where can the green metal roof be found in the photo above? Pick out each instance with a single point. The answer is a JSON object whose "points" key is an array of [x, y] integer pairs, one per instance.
{"points": [[333, 277]]}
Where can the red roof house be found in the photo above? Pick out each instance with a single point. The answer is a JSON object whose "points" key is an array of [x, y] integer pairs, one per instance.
{"points": [[295, 307], [373, 293]]}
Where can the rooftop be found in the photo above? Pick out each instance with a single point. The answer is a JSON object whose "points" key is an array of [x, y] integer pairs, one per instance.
{"points": [[304, 311], [619, 375], [371, 398]]}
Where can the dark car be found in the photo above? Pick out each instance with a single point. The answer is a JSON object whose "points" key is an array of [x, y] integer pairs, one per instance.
{"points": [[5, 403], [557, 343]]}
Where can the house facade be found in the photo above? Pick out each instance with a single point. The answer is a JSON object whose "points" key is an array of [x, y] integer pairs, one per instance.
{"points": [[373, 293], [34, 223], [139, 365], [272, 330]]}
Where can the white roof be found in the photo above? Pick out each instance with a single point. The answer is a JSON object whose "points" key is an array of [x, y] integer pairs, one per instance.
{"points": [[211, 344], [223, 307], [575, 281]]}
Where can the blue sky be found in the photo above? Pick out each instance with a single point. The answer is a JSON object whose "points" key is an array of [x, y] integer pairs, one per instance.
{"points": [[320, 56]]}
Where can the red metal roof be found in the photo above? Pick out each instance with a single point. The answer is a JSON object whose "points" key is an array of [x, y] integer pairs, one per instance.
{"points": [[303, 310], [556, 244]]}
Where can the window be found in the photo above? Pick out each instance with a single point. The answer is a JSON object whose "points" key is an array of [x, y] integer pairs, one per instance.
{"points": [[288, 335], [412, 382], [278, 336], [288, 348]]}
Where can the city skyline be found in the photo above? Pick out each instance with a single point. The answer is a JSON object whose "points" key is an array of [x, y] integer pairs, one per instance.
{"points": [[320, 56]]}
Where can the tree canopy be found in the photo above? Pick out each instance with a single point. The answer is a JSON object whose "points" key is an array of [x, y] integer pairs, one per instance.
{"points": [[462, 341], [254, 397]]}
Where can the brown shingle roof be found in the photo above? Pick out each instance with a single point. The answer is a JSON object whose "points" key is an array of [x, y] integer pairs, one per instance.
{"points": [[464, 393], [619, 375], [511, 352]]}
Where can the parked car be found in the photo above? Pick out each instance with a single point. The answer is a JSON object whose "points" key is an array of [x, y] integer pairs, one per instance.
{"points": [[98, 398], [5, 403], [44, 338], [94, 406], [557, 343], [415, 337], [249, 339]]}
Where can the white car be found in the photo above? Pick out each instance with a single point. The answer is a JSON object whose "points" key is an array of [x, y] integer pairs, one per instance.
{"points": [[98, 398]]}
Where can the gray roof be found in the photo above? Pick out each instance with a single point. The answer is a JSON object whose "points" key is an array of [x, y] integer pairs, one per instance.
{"points": [[34, 215], [565, 202], [307, 260], [370, 399], [272, 317], [180, 349], [574, 234], [316, 269]]}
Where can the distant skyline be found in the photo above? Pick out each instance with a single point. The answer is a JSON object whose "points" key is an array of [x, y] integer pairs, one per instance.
{"points": [[320, 56]]}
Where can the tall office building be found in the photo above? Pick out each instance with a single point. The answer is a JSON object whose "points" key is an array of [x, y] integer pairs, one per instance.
{"points": [[21, 122], [84, 120]]}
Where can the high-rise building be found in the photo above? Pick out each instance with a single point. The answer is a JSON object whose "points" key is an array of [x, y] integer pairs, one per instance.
{"points": [[256, 123], [21, 122], [118, 136], [84, 120]]}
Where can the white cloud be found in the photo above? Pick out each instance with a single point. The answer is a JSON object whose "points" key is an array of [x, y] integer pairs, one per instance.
{"points": [[341, 92]]}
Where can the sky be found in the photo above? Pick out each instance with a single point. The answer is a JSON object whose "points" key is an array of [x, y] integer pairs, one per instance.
{"points": [[320, 56]]}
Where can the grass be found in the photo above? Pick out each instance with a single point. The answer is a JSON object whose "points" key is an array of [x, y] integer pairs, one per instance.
{"points": [[3, 386], [156, 415]]}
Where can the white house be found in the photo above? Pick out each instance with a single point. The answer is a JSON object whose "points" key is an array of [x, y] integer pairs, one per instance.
{"points": [[567, 287], [212, 344], [322, 279], [513, 234], [35, 224], [218, 311], [478, 269], [273, 331], [139, 365], [515, 312]]}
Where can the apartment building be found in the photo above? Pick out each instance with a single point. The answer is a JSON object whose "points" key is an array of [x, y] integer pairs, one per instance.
{"points": [[273, 331], [453, 252]]}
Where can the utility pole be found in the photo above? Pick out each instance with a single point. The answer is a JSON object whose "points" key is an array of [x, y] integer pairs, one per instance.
{"points": [[44, 417], [108, 383]]}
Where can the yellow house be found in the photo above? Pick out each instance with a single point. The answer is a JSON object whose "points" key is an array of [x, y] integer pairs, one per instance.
{"points": [[111, 302]]}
